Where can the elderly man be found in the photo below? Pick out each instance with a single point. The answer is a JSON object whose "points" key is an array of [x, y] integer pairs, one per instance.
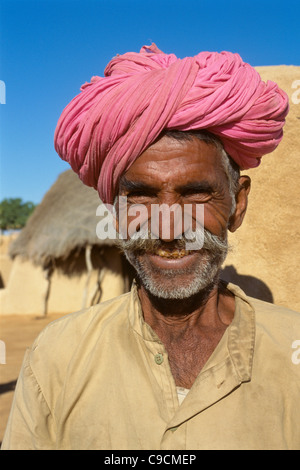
{"points": [[183, 361]]}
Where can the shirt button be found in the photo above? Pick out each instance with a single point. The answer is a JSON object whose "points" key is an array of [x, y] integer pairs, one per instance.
{"points": [[159, 359]]}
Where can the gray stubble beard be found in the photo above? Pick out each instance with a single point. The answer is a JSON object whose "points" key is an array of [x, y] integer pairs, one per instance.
{"points": [[205, 276]]}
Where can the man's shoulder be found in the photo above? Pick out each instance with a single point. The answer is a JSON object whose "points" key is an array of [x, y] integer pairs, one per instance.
{"points": [[266, 311], [65, 334], [277, 345], [67, 342], [278, 322], [268, 315]]}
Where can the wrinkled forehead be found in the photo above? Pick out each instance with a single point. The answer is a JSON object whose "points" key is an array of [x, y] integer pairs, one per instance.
{"points": [[169, 159]]}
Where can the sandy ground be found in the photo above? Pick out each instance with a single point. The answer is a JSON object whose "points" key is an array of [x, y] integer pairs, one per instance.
{"points": [[18, 333]]}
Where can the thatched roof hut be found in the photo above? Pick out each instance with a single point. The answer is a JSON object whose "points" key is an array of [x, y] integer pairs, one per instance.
{"points": [[64, 221], [60, 237]]}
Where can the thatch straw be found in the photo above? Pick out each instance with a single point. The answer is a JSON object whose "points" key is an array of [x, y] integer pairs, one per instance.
{"points": [[65, 220]]}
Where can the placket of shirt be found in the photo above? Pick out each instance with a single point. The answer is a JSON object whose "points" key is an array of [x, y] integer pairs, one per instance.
{"points": [[157, 364], [157, 360], [161, 370]]}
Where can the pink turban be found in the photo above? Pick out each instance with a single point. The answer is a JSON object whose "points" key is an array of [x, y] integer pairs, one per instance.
{"points": [[105, 128]]}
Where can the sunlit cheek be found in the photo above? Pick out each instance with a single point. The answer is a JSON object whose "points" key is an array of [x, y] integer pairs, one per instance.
{"points": [[193, 217], [133, 218], [216, 218]]}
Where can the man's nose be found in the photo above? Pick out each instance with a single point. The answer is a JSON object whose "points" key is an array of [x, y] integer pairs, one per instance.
{"points": [[167, 221]]}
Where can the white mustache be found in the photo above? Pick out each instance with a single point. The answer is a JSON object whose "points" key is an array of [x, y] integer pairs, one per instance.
{"points": [[201, 238]]}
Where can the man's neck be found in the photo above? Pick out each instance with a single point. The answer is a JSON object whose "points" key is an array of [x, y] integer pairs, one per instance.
{"points": [[190, 329], [210, 304]]}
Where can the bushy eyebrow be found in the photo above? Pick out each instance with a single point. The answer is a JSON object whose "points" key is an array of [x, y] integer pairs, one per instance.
{"points": [[196, 187], [193, 186], [130, 185]]}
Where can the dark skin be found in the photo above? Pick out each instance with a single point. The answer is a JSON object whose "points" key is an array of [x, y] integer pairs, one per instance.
{"points": [[186, 172]]}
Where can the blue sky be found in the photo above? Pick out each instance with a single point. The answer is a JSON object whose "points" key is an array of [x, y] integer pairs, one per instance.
{"points": [[48, 48]]}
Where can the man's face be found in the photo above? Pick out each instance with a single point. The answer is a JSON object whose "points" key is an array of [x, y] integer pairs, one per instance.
{"points": [[181, 173]]}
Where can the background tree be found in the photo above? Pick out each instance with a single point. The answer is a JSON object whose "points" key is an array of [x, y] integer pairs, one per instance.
{"points": [[14, 213]]}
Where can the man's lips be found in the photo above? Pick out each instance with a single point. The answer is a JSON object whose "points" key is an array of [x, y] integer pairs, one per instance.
{"points": [[172, 254], [171, 259]]}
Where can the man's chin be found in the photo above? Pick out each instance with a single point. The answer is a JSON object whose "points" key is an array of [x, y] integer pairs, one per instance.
{"points": [[176, 282], [173, 293]]}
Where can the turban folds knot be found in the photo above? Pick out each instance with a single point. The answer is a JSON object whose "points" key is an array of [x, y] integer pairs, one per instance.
{"points": [[114, 118]]}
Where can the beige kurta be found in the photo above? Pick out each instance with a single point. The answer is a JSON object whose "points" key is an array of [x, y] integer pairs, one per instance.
{"points": [[100, 379]]}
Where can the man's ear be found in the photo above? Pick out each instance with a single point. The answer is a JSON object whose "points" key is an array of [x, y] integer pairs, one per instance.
{"points": [[241, 198]]}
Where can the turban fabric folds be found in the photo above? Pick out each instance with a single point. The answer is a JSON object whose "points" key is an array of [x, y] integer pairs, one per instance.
{"points": [[114, 118]]}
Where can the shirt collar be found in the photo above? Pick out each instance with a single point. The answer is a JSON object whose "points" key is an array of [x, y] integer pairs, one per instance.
{"points": [[237, 343]]}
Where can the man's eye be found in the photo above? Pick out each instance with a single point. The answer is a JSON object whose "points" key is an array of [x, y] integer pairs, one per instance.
{"points": [[139, 195], [202, 194]]}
